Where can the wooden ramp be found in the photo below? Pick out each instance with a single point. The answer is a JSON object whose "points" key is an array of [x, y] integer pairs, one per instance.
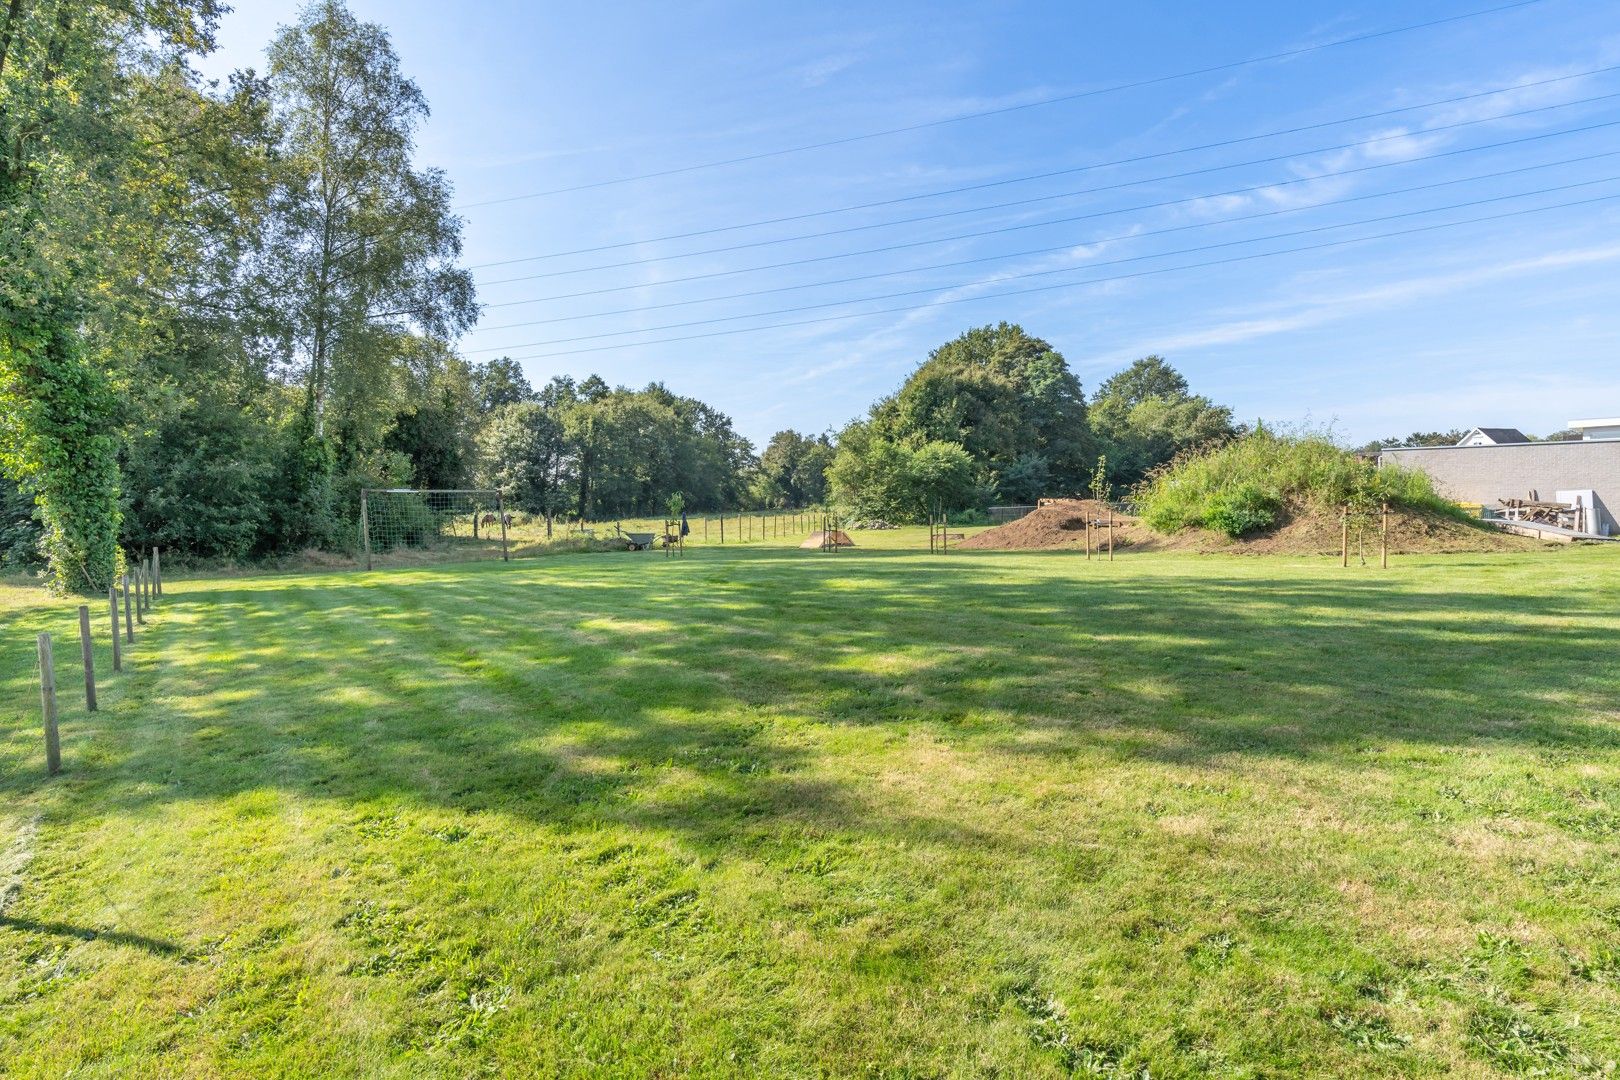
{"points": [[821, 539]]}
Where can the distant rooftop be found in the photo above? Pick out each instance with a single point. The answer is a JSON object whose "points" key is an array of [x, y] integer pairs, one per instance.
{"points": [[1493, 436]]}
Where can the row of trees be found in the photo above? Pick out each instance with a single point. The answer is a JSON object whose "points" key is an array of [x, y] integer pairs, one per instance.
{"points": [[589, 451], [216, 299], [227, 307]]}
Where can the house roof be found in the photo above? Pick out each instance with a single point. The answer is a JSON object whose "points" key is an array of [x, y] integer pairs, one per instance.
{"points": [[1579, 425], [1502, 434]]}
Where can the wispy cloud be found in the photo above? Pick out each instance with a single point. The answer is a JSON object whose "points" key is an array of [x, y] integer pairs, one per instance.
{"points": [[1408, 141], [1321, 309], [819, 72]]}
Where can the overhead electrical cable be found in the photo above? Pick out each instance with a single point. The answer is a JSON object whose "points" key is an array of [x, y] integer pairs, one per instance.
{"points": [[1024, 106], [1087, 242], [1038, 273], [1047, 222], [1069, 284], [1382, 114], [1106, 187]]}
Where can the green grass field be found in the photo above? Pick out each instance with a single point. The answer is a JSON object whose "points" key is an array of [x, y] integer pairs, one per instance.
{"points": [[758, 812]]}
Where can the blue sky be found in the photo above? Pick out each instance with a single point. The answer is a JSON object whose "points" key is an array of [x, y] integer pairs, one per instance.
{"points": [[1510, 322]]}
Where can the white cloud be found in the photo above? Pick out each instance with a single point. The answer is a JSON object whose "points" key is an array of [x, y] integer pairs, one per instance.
{"points": [[1321, 309]]}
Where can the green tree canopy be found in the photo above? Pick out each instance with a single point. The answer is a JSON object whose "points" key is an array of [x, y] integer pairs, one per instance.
{"points": [[793, 470], [1146, 415], [86, 199], [875, 476], [1007, 398], [499, 382], [363, 244]]}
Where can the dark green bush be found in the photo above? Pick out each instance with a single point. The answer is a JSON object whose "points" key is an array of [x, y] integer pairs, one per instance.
{"points": [[401, 520], [1244, 509]]}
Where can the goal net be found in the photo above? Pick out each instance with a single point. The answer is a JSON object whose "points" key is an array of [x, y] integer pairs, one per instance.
{"points": [[399, 526]]}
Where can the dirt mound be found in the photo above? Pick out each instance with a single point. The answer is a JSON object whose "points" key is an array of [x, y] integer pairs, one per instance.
{"points": [[1411, 532], [1061, 525]]}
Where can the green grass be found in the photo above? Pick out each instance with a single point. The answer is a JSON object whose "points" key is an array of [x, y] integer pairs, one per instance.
{"points": [[762, 812]]}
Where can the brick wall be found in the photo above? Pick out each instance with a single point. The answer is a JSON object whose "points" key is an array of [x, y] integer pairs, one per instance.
{"points": [[1484, 474]]}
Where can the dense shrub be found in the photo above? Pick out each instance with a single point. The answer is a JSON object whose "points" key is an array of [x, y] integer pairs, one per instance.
{"points": [[19, 529], [402, 521], [874, 477], [1241, 510], [1247, 484]]}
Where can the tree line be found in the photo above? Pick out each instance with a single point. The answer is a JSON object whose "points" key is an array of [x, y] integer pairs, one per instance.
{"points": [[228, 306], [217, 298]]}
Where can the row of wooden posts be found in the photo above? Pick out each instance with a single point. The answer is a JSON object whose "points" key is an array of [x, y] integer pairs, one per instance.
{"points": [[140, 587], [771, 524]]}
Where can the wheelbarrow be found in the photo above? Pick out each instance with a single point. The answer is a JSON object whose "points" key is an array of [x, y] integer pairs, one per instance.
{"points": [[638, 541]]}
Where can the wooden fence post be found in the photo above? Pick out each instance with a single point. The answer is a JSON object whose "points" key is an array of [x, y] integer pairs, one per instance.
{"points": [[1110, 536], [118, 649], [500, 513], [157, 571], [47, 701], [1344, 536], [129, 620], [1088, 539], [140, 608], [1384, 545], [87, 650]]}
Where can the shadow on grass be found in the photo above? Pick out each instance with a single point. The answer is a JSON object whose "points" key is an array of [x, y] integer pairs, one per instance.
{"points": [[667, 693], [156, 946]]}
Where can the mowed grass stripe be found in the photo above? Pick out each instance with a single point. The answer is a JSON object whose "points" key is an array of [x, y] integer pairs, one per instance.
{"points": [[764, 812]]}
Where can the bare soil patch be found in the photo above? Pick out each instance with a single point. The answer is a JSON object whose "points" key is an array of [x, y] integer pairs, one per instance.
{"points": [[1061, 525]]}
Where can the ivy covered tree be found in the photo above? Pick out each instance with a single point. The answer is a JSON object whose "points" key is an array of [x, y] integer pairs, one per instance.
{"points": [[78, 144]]}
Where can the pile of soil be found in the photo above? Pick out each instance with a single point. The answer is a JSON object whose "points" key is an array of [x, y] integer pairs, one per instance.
{"points": [[1061, 525], [1411, 532]]}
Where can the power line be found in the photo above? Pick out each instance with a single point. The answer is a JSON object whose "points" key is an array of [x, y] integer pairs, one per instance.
{"points": [[1105, 187], [1032, 274], [1070, 284], [1092, 241], [1057, 99], [1380, 115], [1002, 230]]}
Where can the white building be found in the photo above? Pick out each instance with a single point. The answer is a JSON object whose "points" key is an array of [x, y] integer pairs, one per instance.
{"points": [[1608, 428]]}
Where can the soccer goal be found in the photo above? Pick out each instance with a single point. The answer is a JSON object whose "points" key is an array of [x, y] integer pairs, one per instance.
{"points": [[406, 525]]}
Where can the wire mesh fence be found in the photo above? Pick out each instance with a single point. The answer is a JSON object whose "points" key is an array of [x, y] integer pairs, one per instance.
{"points": [[408, 526], [1001, 515], [403, 525]]}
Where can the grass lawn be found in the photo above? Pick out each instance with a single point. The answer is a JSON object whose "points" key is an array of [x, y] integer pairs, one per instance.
{"points": [[758, 812]]}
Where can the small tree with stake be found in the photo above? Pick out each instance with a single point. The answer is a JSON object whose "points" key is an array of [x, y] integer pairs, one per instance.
{"points": [[1101, 489]]}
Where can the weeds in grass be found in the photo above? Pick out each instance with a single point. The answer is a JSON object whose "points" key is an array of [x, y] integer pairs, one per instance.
{"points": [[1367, 1031], [1509, 1039]]}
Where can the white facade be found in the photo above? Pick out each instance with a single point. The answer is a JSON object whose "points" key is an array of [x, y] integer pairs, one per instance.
{"points": [[1605, 428]]}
